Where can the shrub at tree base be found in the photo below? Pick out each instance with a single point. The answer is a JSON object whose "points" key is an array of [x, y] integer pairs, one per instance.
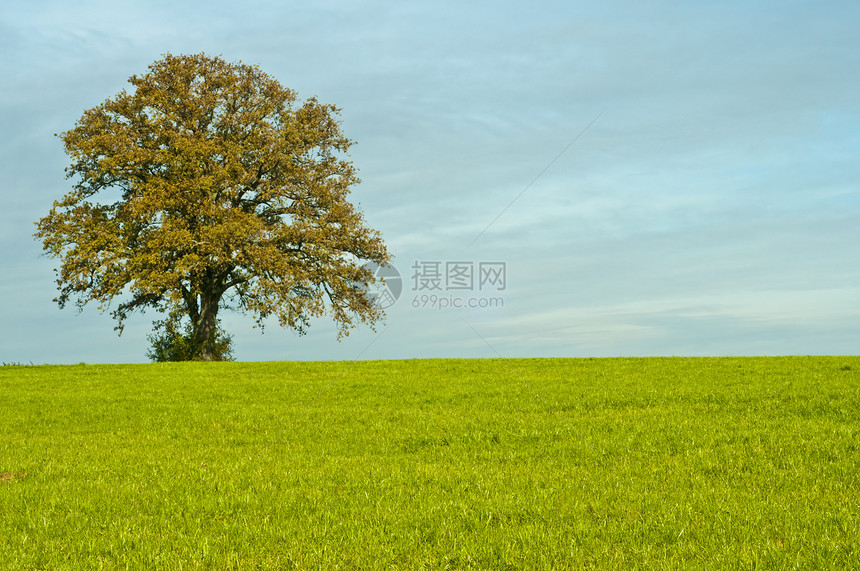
{"points": [[174, 341]]}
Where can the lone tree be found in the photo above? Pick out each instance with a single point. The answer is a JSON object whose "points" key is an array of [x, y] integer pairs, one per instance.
{"points": [[209, 187]]}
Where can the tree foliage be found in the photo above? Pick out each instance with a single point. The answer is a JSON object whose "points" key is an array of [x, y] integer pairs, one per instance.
{"points": [[209, 187]]}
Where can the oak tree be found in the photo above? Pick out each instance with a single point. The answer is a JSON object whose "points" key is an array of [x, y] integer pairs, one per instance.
{"points": [[208, 186]]}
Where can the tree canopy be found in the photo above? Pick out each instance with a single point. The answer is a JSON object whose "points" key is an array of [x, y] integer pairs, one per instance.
{"points": [[209, 187]]}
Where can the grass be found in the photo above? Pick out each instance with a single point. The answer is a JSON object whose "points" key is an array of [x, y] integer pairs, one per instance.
{"points": [[653, 463]]}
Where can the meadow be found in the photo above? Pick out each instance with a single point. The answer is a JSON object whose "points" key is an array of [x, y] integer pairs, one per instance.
{"points": [[626, 463]]}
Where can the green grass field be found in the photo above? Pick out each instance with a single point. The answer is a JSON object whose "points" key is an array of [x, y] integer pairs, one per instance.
{"points": [[652, 463]]}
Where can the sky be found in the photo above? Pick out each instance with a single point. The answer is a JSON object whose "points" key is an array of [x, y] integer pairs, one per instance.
{"points": [[554, 179]]}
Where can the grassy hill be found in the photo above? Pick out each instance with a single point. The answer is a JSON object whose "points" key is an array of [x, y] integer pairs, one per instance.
{"points": [[713, 463]]}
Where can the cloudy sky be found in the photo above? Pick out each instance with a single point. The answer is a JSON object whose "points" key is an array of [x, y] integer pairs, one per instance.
{"points": [[657, 177]]}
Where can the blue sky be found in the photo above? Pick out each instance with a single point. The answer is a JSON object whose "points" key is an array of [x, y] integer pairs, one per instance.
{"points": [[707, 202]]}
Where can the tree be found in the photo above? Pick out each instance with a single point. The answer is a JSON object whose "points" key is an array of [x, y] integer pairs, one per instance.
{"points": [[209, 187]]}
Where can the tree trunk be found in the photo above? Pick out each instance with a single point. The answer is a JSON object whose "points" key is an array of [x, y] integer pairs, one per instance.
{"points": [[205, 329]]}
